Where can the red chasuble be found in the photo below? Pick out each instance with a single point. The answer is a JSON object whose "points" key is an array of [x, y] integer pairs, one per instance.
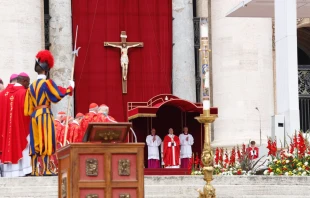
{"points": [[171, 151], [74, 132], [58, 128], [89, 117], [103, 118], [14, 125]]}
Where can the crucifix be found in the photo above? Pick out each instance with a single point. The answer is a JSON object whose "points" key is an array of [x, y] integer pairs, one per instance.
{"points": [[124, 46]]}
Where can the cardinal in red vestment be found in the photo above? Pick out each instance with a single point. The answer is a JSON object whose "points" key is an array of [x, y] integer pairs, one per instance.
{"points": [[103, 114], [171, 150], [91, 116], [58, 125], [14, 129], [75, 129]]}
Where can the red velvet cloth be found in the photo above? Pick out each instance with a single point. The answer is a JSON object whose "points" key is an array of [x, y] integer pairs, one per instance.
{"points": [[98, 72], [14, 126]]}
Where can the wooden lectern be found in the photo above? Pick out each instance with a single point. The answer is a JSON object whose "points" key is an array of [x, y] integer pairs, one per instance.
{"points": [[103, 166]]}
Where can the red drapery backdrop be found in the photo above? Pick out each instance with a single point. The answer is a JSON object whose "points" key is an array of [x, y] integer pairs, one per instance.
{"points": [[97, 69]]}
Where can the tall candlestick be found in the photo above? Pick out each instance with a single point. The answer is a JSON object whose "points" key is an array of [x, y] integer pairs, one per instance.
{"points": [[206, 104]]}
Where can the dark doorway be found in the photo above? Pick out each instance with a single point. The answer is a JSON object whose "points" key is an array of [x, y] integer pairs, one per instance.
{"points": [[169, 116], [303, 38]]}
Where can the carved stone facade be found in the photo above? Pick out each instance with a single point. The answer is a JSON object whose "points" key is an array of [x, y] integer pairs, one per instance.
{"points": [[21, 37], [242, 72], [183, 73], [61, 47]]}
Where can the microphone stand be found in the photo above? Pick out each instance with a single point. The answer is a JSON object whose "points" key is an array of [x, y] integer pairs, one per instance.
{"points": [[260, 127]]}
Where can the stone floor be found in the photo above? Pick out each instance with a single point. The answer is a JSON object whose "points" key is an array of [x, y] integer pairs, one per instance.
{"points": [[175, 187]]}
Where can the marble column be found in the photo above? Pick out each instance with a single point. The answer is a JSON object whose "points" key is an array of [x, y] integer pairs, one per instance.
{"points": [[61, 40], [202, 8], [286, 63], [20, 36], [183, 50], [242, 70]]}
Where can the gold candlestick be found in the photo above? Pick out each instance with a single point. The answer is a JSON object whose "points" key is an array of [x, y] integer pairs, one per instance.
{"points": [[207, 156]]}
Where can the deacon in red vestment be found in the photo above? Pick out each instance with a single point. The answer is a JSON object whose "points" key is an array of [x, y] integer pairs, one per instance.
{"points": [[58, 125], [15, 129], [91, 116], [75, 130], [252, 151], [103, 114], [171, 150]]}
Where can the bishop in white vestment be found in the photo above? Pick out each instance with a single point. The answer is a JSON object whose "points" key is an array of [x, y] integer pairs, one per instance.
{"points": [[186, 141], [153, 141]]}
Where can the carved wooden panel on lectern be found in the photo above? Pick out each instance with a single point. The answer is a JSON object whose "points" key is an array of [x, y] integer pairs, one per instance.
{"points": [[92, 167], [124, 196], [124, 167], [92, 196], [64, 187]]}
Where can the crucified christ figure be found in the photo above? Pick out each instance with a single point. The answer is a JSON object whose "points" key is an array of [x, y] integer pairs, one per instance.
{"points": [[124, 56]]}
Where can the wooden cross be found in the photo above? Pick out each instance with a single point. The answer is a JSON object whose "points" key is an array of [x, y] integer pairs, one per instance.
{"points": [[124, 46]]}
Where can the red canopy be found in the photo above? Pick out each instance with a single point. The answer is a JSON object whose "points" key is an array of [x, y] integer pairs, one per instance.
{"points": [[149, 108]]}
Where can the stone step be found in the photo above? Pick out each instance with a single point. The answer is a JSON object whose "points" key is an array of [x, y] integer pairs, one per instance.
{"points": [[175, 186]]}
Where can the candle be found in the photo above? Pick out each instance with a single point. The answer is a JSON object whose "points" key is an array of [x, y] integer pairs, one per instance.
{"points": [[206, 104]]}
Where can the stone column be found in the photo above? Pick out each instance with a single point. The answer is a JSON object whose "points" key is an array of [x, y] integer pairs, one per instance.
{"points": [[20, 37], [242, 76], [183, 50], [61, 40], [286, 63]]}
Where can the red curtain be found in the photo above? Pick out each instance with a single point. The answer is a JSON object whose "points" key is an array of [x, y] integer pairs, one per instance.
{"points": [[97, 70]]}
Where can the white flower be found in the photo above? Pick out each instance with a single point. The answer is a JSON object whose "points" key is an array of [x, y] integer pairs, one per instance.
{"points": [[306, 155], [299, 169], [304, 173], [275, 160], [287, 161], [286, 173], [266, 172], [289, 155], [272, 173], [306, 163]]}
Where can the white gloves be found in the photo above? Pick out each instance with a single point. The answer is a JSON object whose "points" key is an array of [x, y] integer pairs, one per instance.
{"points": [[72, 84]]}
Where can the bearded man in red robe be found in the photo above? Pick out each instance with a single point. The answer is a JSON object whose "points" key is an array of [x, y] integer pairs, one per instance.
{"points": [[171, 150], [14, 129]]}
